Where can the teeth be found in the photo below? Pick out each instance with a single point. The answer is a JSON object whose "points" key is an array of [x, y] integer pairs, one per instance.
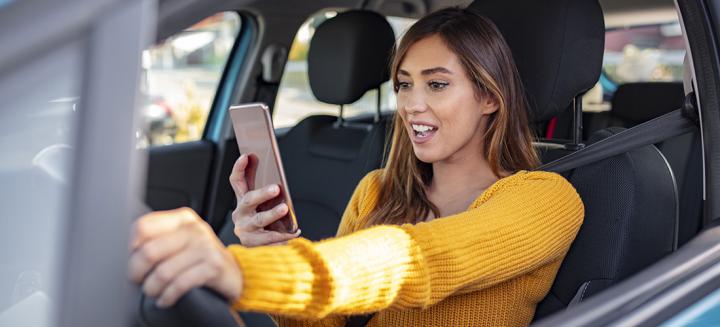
{"points": [[421, 128]]}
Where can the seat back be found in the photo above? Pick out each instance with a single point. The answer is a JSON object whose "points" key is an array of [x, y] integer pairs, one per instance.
{"points": [[324, 156], [631, 212], [635, 103], [323, 164], [685, 155], [558, 47]]}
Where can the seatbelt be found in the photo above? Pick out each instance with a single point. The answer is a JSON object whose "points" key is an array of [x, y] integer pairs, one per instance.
{"points": [[674, 123]]}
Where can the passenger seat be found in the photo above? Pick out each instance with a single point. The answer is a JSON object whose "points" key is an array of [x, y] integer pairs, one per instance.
{"points": [[636, 103], [325, 156]]}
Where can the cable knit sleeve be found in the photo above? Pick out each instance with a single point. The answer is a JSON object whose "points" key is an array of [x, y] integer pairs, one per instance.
{"points": [[519, 224], [348, 224]]}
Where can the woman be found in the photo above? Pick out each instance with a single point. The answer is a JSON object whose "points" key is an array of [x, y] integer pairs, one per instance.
{"points": [[453, 231]]}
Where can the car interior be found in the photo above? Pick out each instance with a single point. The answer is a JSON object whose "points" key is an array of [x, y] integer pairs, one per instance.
{"points": [[640, 205], [333, 107]]}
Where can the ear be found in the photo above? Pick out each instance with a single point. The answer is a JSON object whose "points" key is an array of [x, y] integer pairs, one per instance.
{"points": [[488, 105]]}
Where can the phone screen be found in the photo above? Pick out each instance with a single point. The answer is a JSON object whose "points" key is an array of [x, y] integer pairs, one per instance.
{"points": [[256, 137]]}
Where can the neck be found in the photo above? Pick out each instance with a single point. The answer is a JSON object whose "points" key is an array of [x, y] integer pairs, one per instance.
{"points": [[461, 175]]}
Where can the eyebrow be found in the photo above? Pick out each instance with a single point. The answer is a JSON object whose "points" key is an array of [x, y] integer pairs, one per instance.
{"points": [[428, 71]]}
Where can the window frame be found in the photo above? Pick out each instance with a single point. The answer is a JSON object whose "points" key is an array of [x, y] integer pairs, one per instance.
{"points": [[231, 79]]}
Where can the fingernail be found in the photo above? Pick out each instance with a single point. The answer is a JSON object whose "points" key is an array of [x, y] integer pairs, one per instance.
{"points": [[281, 208], [298, 231], [272, 189]]}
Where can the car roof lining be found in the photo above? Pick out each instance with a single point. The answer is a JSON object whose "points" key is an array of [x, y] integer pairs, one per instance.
{"points": [[175, 15]]}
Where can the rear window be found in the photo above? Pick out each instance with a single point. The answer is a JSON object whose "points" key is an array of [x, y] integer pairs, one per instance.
{"points": [[647, 53], [296, 101], [644, 53]]}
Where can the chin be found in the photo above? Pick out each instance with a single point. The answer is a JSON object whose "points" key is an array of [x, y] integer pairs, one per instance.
{"points": [[426, 157]]}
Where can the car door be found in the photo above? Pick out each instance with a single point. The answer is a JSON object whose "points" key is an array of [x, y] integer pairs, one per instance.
{"points": [[188, 79]]}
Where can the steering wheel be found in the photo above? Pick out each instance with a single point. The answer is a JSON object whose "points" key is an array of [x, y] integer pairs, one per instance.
{"points": [[198, 307]]}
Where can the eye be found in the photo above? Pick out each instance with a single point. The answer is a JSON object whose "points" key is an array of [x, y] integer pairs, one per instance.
{"points": [[437, 85], [402, 86]]}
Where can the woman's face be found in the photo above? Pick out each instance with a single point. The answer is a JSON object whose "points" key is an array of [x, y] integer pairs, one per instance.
{"points": [[437, 102]]}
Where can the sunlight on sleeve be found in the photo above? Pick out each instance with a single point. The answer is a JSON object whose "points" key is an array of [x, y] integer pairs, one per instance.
{"points": [[372, 263]]}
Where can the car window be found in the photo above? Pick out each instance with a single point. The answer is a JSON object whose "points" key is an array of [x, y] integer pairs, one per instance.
{"points": [[180, 77], [644, 53], [649, 53], [295, 100], [40, 108], [705, 312]]}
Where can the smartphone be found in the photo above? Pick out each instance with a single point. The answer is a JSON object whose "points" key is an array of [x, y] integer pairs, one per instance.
{"points": [[256, 138]]}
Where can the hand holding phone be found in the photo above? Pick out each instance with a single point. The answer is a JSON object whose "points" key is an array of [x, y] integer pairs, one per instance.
{"points": [[264, 203], [257, 224]]}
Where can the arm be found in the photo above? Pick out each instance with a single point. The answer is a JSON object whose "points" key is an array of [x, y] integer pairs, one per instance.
{"points": [[349, 223], [174, 251], [515, 227]]}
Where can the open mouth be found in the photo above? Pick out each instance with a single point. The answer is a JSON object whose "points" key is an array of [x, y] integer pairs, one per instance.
{"points": [[423, 132]]}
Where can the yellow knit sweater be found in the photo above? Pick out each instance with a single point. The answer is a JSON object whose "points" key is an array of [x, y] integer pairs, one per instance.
{"points": [[487, 266]]}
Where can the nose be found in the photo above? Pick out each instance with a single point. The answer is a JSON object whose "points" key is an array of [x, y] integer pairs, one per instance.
{"points": [[414, 104]]}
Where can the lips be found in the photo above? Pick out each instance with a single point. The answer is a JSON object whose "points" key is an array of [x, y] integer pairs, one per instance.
{"points": [[422, 132]]}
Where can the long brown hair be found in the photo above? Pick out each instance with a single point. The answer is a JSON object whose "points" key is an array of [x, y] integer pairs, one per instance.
{"points": [[488, 62]]}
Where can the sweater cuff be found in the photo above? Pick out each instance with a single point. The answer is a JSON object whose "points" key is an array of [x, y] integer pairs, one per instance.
{"points": [[288, 279]]}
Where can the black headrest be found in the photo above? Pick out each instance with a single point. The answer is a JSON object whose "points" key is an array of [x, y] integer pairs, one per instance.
{"points": [[557, 46], [640, 102], [349, 55]]}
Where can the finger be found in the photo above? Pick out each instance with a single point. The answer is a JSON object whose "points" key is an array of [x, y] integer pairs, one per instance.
{"points": [[158, 223], [262, 219], [238, 181], [150, 254], [195, 276], [167, 271], [270, 237], [250, 201]]}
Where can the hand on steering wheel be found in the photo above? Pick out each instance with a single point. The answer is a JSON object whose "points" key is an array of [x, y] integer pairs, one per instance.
{"points": [[174, 251]]}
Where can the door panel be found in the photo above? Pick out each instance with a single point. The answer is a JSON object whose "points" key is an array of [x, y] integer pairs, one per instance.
{"points": [[178, 175]]}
